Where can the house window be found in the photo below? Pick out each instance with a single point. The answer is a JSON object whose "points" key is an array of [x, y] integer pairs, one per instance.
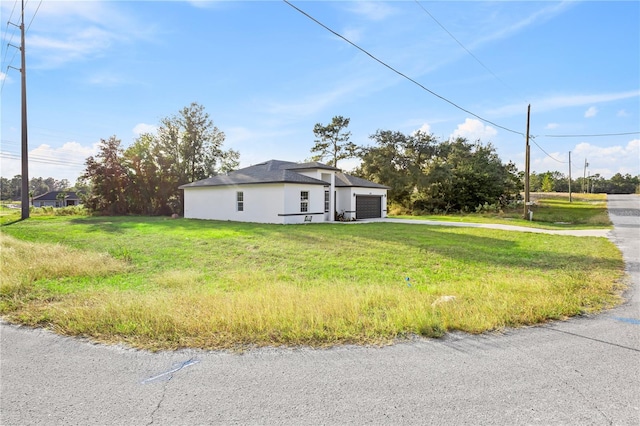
{"points": [[240, 201], [304, 201], [326, 201]]}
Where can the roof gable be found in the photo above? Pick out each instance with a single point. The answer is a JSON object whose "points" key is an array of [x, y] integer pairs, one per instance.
{"points": [[53, 196]]}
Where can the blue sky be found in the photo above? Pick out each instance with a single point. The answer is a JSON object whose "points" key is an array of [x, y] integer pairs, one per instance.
{"points": [[266, 74]]}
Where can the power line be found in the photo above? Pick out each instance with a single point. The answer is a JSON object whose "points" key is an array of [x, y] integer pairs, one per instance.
{"points": [[591, 136], [41, 159], [400, 73], [546, 153], [461, 45], [34, 15], [4, 36]]}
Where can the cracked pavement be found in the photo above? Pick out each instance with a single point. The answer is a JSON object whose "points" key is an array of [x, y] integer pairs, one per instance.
{"points": [[582, 371]]}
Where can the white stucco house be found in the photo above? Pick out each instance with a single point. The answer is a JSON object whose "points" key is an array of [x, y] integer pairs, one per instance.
{"points": [[284, 192]]}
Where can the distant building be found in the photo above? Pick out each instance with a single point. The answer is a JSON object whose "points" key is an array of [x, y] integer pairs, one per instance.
{"points": [[56, 199]]}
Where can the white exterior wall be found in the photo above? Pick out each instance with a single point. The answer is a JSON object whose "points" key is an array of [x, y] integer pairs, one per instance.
{"points": [[347, 199], [262, 203], [292, 213], [328, 176]]}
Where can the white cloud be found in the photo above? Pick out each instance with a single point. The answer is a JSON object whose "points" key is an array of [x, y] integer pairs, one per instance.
{"points": [[552, 126], [65, 162], [541, 163], [591, 112], [623, 113], [473, 130], [142, 128], [425, 128], [610, 159]]}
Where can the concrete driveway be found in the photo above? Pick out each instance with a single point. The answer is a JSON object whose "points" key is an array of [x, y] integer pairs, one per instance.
{"points": [[585, 371]]}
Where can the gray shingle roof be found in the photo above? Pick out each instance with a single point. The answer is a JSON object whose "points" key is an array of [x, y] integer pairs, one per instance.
{"points": [[53, 196], [276, 171], [273, 171], [344, 180]]}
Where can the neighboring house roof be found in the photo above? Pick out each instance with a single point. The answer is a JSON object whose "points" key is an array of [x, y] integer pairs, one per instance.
{"points": [[276, 171], [53, 196], [345, 180]]}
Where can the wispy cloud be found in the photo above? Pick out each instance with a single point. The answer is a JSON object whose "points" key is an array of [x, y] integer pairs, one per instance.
{"points": [[77, 31], [535, 18], [565, 101], [373, 11]]}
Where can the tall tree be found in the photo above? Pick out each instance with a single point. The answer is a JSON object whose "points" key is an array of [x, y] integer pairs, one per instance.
{"points": [[109, 179], [332, 143], [188, 147], [397, 160]]}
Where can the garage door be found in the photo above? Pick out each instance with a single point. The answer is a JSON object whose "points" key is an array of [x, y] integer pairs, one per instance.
{"points": [[368, 207]]}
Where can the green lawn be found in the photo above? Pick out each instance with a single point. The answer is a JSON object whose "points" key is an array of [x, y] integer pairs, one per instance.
{"points": [[161, 284], [550, 211]]}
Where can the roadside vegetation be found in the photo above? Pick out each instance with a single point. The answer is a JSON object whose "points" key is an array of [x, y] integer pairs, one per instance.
{"points": [[161, 283], [550, 211]]}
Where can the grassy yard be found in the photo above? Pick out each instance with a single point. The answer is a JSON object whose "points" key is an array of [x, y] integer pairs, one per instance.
{"points": [[550, 211], [158, 283]]}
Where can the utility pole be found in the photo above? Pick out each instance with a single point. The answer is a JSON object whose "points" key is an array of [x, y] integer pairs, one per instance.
{"points": [[25, 146], [584, 178], [24, 196], [527, 159], [570, 176]]}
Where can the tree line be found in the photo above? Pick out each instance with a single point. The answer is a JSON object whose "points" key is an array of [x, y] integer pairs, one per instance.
{"points": [[424, 174], [558, 182], [11, 189]]}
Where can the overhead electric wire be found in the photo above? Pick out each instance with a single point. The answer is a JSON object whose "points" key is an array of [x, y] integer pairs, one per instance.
{"points": [[41, 159], [34, 15], [546, 153], [6, 51], [4, 36], [400, 73], [591, 136], [462, 45]]}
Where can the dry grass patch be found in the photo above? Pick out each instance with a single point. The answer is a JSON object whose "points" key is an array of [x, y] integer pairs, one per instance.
{"points": [[23, 264]]}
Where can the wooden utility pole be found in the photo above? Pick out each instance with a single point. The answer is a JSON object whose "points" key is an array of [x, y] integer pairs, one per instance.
{"points": [[570, 176], [585, 189], [25, 149], [526, 167]]}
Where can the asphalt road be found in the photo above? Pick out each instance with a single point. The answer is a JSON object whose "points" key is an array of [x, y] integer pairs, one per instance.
{"points": [[578, 372]]}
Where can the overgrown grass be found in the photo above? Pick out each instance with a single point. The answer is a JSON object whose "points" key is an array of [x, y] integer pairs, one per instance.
{"points": [[10, 215], [550, 211], [163, 284]]}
